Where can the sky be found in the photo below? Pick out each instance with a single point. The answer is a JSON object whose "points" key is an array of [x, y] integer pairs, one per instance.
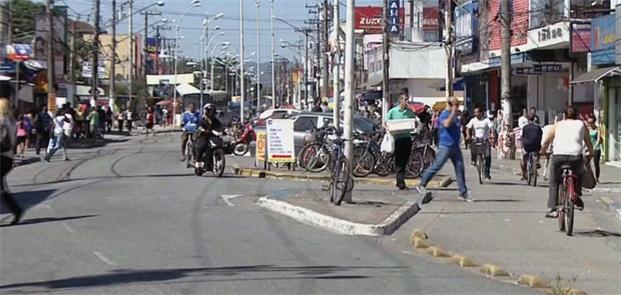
{"points": [[294, 11]]}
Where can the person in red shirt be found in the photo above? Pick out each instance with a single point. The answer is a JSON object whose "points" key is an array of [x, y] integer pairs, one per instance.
{"points": [[150, 120]]}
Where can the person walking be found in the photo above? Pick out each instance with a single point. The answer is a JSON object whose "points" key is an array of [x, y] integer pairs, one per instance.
{"points": [[150, 121], [108, 119], [448, 148], [403, 141], [8, 140], [58, 137], [22, 135], [129, 117], [596, 139], [42, 125], [93, 120], [120, 119]]}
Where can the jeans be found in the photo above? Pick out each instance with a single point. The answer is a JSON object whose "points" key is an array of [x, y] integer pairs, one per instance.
{"points": [[56, 142], [577, 167], [444, 153], [403, 148], [42, 140], [597, 154], [6, 164]]}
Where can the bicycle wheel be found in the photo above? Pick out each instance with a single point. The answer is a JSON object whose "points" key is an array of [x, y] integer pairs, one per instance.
{"points": [[529, 170], [383, 167], [569, 205], [342, 181], [189, 147], [480, 167], [535, 172], [562, 192], [429, 156], [415, 165], [363, 161], [315, 158]]}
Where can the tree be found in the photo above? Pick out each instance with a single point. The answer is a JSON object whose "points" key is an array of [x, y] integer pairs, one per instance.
{"points": [[24, 14]]}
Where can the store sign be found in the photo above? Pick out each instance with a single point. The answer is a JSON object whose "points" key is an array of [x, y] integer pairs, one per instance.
{"points": [[369, 19], [466, 27], [280, 143], [87, 70], [152, 47], [539, 69], [549, 34], [394, 18], [18, 52], [261, 144], [431, 18], [581, 38], [603, 40]]}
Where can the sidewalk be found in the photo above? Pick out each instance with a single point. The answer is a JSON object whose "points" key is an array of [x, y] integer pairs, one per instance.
{"points": [[505, 226]]}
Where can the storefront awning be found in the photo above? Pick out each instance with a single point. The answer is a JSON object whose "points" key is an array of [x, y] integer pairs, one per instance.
{"points": [[5, 78], [596, 75], [186, 89]]}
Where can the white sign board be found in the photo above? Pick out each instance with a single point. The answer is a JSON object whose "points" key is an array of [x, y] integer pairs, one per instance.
{"points": [[280, 147]]}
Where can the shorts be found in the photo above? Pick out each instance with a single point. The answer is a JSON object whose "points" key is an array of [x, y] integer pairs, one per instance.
{"points": [[149, 125], [21, 139]]}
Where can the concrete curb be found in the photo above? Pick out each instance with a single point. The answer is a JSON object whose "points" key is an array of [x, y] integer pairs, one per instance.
{"points": [[341, 226], [437, 182], [419, 241], [614, 207]]}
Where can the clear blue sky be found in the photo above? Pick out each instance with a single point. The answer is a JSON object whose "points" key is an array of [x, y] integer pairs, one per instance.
{"points": [[293, 11]]}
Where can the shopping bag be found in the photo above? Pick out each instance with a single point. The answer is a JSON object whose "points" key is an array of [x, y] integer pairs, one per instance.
{"points": [[588, 179], [388, 143]]}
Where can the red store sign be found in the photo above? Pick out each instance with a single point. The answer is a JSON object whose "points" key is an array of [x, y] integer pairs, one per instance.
{"points": [[369, 19]]}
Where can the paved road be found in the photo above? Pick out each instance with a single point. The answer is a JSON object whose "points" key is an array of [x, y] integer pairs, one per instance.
{"points": [[129, 219]]}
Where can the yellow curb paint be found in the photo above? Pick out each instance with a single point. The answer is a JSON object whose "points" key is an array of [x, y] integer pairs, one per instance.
{"points": [[493, 270], [418, 234], [462, 261], [419, 243], [531, 281], [577, 292], [437, 252]]}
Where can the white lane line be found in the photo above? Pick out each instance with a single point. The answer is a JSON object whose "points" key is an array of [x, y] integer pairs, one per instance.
{"points": [[68, 227], [226, 199], [103, 258]]}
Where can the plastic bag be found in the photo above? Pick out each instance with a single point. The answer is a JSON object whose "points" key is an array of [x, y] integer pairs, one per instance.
{"points": [[588, 179], [388, 143]]}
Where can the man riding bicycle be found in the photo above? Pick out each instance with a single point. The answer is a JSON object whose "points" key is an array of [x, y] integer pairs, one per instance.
{"points": [[569, 138], [189, 122], [483, 127], [531, 140], [209, 122]]}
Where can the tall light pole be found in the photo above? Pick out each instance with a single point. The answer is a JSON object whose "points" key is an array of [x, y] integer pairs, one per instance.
{"points": [[241, 59], [130, 31], [349, 82], [258, 89], [336, 112], [192, 4], [273, 52]]}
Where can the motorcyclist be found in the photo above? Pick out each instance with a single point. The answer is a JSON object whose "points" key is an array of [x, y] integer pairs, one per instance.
{"points": [[209, 122], [189, 122]]}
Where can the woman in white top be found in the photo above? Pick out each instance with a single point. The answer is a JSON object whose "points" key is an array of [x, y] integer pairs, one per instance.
{"points": [[569, 138], [57, 141], [8, 141]]}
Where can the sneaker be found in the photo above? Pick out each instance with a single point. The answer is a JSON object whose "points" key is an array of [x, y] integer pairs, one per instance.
{"points": [[466, 198], [473, 164], [553, 213], [579, 204], [421, 190], [488, 177]]}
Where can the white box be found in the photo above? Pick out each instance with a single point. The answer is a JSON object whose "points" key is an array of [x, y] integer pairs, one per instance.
{"points": [[402, 126]]}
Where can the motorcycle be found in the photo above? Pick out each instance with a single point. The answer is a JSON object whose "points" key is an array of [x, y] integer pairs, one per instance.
{"points": [[220, 146], [242, 145]]}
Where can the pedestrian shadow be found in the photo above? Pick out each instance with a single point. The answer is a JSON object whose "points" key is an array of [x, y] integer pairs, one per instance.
{"points": [[48, 219], [507, 183], [273, 273], [29, 199], [598, 233], [499, 201]]}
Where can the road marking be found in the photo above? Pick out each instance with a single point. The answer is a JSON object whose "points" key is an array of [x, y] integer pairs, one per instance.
{"points": [[226, 199], [103, 258], [67, 227]]}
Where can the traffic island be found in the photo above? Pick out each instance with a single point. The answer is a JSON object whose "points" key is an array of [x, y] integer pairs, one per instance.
{"points": [[373, 212]]}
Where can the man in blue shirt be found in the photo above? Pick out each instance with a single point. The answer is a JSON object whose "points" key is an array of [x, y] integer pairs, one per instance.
{"points": [[448, 147], [189, 122]]}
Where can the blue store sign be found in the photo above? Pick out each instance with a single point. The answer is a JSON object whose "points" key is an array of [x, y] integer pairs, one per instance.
{"points": [[394, 20], [603, 38]]}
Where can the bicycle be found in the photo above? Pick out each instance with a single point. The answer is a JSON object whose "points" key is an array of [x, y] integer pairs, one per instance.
{"points": [[531, 168], [567, 197], [341, 181], [189, 153], [315, 156], [365, 152], [479, 147]]}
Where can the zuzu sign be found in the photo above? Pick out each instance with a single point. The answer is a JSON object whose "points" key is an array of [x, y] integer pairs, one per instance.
{"points": [[369, 19]]}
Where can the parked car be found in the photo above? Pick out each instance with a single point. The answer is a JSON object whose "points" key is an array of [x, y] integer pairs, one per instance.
{"points": [[275, 114], [305, 123]]}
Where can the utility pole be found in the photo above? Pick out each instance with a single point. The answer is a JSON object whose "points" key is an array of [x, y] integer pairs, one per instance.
{"points": [[505, 66], [350, 88], [95, 65], [258, 88], [326, 45], [146, 34], [274, 94], [130, 31], [448, 47], [336, 112], [73, 51], [306, 69], [51, 91], [386, 103], [112, 100], [241, 59], [10, 22]]}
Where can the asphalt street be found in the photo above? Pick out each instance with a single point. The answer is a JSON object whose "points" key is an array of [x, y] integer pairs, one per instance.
{"points": [[128, 218]]}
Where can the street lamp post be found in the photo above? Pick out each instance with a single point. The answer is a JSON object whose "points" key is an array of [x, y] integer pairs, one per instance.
{"points": [[241, 59], [194, 3], [273, 52], [258, 88]]}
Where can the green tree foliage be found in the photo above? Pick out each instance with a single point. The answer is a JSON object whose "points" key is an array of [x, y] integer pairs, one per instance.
{"points": [[24, 13]]}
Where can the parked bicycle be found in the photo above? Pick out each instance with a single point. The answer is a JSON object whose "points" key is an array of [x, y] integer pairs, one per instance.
{"points": [[341, 180], [316, 155]]}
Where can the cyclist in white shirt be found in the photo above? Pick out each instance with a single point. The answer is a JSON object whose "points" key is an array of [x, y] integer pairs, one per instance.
{"points": [[482, 127]]}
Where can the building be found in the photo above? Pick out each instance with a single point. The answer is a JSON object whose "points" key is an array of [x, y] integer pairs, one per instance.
{"points": [[122, 54]]}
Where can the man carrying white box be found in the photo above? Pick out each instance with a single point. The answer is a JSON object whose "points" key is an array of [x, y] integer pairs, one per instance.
{"points": [[400, 122]]}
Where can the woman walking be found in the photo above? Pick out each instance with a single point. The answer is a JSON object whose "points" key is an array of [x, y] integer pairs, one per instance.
{"points": [[58, 138], [22, 135], [596, 139], [8, 139]]}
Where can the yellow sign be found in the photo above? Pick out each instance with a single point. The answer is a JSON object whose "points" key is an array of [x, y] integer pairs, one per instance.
{"points": [[261, 144], [51, 103]]}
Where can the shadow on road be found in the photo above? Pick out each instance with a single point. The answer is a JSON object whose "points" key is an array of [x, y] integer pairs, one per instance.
{"points": [[29, 199], [596, 234], [125, 276], [48, 219]]}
